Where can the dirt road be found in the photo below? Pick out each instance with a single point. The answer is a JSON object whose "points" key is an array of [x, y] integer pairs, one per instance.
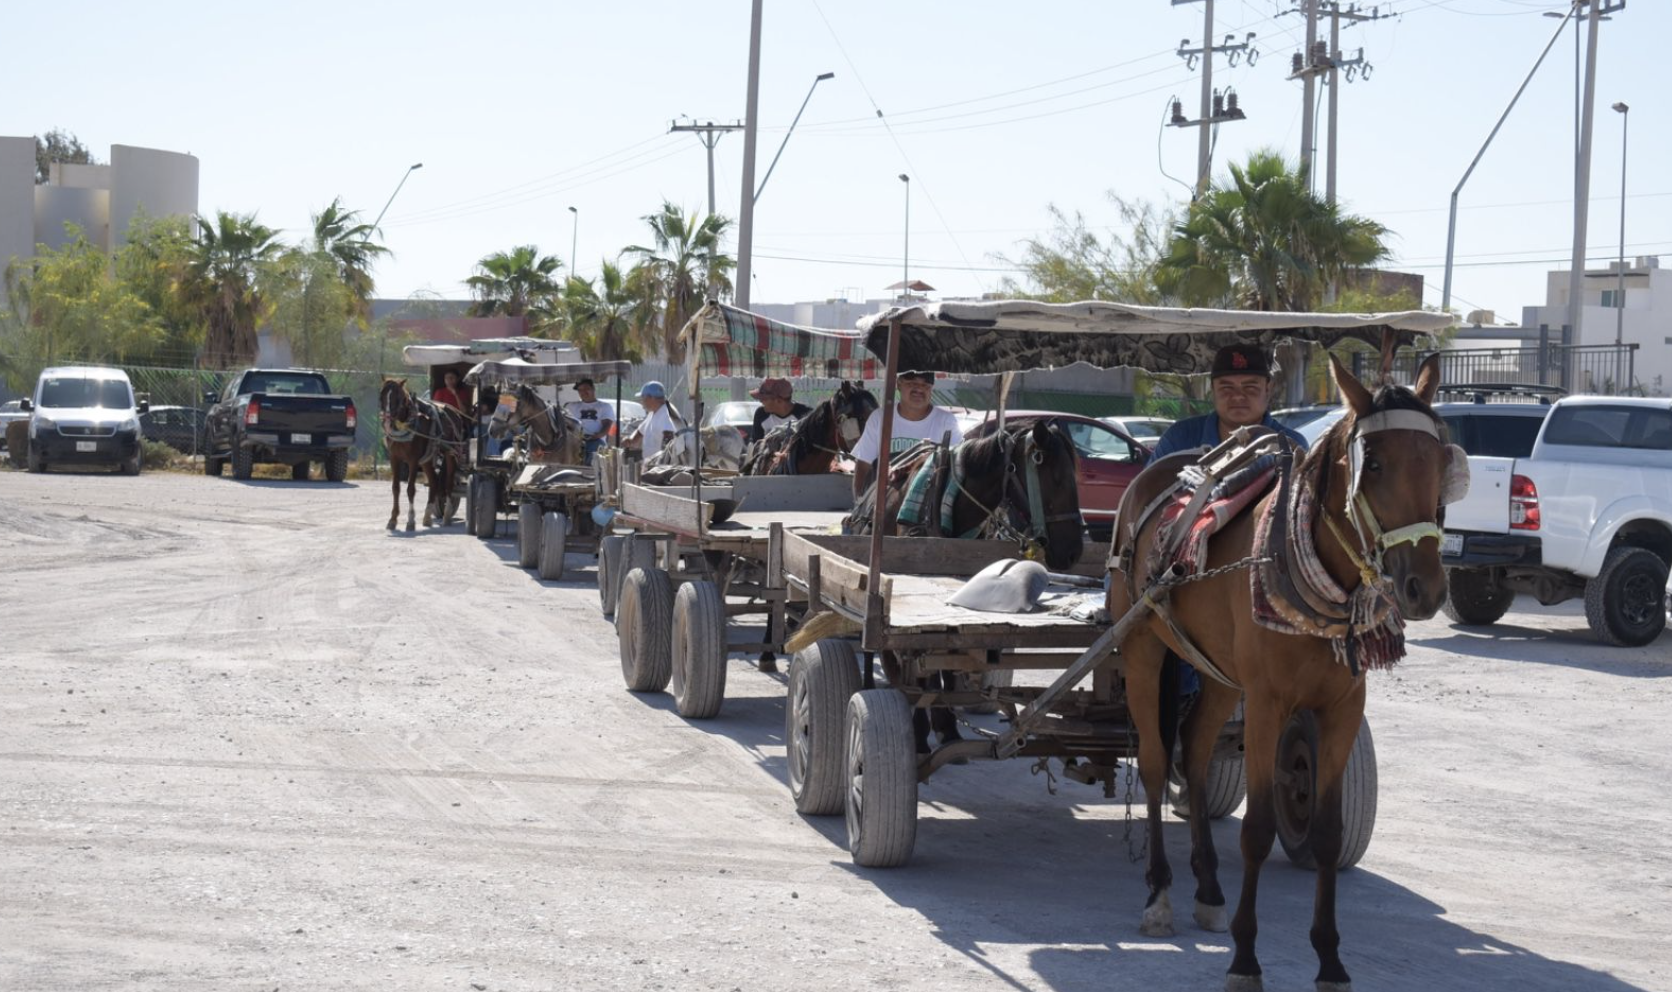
{"points": [[250, 741]]}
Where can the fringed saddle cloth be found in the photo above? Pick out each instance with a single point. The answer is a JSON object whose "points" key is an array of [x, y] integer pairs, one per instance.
{"points": [[1294, 594], [1187, 541]]}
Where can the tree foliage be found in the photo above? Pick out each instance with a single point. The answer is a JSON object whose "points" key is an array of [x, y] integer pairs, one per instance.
{"points": [[58, 145], [1073, 262], [607, 318], [681, 268], [226, 282], [512, 283]]}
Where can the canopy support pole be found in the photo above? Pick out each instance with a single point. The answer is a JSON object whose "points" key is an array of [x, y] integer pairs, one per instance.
{"points": [[874, 619]]}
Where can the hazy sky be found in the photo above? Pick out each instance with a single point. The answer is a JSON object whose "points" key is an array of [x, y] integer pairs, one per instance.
{"points": [[996, 110]]}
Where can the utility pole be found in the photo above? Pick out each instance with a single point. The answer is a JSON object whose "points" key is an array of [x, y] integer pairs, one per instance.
{"points": [[709, 134], [1339, 66], [1307, 68], [1215, 107], [1582, 175], [746, 200]]}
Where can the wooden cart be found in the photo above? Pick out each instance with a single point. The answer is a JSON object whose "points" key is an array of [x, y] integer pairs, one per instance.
{"points": [[849, 738]]}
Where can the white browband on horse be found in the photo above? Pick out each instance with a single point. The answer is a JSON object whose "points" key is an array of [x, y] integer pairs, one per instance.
{"points": [[1373, 539]]}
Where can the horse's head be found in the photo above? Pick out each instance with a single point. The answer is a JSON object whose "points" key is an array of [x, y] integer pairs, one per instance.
{"points": [[394, 402], [1393, 455], [1048, 464], [853, 404]]}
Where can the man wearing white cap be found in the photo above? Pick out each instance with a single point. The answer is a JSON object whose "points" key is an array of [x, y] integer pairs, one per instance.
{"points": [[778, 407], [916, 418]]}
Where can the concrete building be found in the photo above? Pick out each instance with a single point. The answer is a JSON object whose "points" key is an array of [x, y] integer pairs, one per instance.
{"points": [[101, 199], [1642, 315]]}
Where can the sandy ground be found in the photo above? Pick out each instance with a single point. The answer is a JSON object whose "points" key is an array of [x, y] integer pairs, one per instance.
{"points": [[248, 740]]}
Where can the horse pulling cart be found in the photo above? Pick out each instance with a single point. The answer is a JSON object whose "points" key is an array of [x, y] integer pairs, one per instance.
{"points": [[693, 560], [858, 745], [543, 474]]}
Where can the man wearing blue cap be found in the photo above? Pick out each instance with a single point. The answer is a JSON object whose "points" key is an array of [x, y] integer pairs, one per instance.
{"points": [[660, 422]]}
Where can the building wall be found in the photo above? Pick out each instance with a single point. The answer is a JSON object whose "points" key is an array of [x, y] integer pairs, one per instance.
{"points": [[161, 183], [87, 208], [17, 201], [1646, 320]]}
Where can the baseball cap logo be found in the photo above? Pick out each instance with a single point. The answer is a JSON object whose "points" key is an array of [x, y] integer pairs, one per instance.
{"points": [[1239, 360]]}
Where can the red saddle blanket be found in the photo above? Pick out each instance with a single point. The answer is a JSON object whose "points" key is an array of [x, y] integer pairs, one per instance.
{"points": [[1191, 550]]}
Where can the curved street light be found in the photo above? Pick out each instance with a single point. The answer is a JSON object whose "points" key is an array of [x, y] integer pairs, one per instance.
{"points": [[821, 77], [905, 261], [383, 344]]}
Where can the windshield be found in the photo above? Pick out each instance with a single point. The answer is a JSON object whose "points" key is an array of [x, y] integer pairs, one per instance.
{"points": [[66, 394], [285, 382]]}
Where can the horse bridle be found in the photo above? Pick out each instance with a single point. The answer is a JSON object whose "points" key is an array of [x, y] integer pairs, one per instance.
{"points": [[1374, 541], [395, 428], [1031, 538]]}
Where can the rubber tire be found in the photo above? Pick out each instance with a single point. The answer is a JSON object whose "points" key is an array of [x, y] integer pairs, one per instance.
{"points": [[212, 466], [1475, 598], [554, 540], [470, 504], [609, 566], [699, 650], [881, 766], [243, 463], [487, 508], [822, 677], [644, 628], [37, 462], [132, 466], [528, 534], [336, 465], [1299, 742], [1627, 573], [299, 472], [636, 552], [1227, 786]]}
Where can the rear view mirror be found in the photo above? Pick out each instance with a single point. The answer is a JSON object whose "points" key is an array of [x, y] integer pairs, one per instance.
{"points": [[25, 405], [209, 397], [144, 406]]}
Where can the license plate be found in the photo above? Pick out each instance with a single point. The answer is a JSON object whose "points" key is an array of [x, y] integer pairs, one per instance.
{"points": [[301, 439], [1452, 545], [87, 446]]}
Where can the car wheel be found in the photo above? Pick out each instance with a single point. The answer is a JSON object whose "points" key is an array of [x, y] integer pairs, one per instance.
{"points": [[1623, 603], [243, 462], [336, 466], [1475, 597], [37, 461]]}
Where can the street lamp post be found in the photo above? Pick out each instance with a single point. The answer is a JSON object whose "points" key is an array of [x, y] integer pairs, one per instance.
{"points": [[905, 258], [821, 77], [1620, 292], [383, 342], [574, 239]]}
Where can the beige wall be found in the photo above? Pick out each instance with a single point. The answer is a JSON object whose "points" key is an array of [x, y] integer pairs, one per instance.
{"points": [[87, 208], [17, 201], [162, 183]]}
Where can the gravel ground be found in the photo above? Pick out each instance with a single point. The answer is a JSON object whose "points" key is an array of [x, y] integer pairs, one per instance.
{"points": [[249, 740]]}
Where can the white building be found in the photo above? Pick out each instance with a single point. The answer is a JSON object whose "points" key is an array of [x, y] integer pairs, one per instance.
{"points": [[1642, 315], [101, 199]]}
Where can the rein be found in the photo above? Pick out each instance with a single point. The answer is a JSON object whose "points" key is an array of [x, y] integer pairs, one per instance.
{"points": [[996, 520]]}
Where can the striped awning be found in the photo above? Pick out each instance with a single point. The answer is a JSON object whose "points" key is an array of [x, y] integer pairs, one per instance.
{"points": [[737, 342]]}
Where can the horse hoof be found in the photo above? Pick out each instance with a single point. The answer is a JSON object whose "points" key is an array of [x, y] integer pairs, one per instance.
{"points": [[1158, 918], [409, 527], [1244, 983], [391, 525], [1212, 918]]}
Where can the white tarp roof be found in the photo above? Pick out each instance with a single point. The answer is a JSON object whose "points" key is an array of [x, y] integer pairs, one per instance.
{"points": [[489, 349], [516, 370]]}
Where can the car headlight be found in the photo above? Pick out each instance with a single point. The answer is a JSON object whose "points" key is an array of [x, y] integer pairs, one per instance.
{"points": [[41, 423], [130, 425]]}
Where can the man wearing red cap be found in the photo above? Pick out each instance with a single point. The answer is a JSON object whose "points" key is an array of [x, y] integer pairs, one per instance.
{"points": [[1241, 378], [778, 407]]}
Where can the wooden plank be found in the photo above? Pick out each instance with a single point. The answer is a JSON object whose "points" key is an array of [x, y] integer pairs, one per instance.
{"points": [[920, 555], [759, 493], [841, 580], [659, 507]]}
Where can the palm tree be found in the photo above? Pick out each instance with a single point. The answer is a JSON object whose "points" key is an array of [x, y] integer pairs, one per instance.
{"points": [[517, 283], [683, 267], [606, 318], [339, 234], [1264, 241], [224, 283]]}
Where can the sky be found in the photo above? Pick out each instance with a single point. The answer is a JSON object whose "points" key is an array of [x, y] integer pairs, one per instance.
{"points": [[998, 111]]}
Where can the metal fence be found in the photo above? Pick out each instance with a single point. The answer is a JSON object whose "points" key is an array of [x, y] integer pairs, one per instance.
{"points": [[1604, 369]]}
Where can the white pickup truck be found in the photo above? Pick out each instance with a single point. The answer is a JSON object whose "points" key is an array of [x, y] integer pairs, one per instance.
{"points": [[1587, 515]]}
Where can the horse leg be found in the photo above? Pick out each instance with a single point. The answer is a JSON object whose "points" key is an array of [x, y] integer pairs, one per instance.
{"points": [[395, 490], [1338, 728], [411, 496], [1262, 719], [1146, 676], [1214, 706], [431, 487]]}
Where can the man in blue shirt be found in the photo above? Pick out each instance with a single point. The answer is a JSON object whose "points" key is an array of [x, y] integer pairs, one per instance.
{"points": [[1241, 379]]}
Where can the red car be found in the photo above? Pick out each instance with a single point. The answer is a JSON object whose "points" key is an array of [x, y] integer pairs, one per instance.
{"points": [[1109, 460]]}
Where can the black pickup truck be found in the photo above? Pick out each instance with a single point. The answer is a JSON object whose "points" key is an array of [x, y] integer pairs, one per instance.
{"points": [[285, 416]]}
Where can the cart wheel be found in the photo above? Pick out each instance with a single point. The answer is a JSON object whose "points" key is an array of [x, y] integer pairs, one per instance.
{"points": [[554, 535], [636, 552], [470, 504], [1226, 785], [528, 534], [882, 779], [699, 650], [1297, 796], [609, 563], [643, 623], [487, 508], [822, 677]]}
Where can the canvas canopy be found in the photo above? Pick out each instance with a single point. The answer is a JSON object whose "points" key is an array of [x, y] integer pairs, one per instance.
{"points": [[514, 371], [489, 349], [1022, 335], [724, 340]]}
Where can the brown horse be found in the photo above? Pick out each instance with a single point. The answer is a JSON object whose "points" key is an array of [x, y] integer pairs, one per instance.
{"points": [[407, 443], [812, 444], [553, 436], [1363, 505]]}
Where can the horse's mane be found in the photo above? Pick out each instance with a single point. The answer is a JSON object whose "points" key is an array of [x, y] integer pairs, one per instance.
{"points": [[987, 453]]}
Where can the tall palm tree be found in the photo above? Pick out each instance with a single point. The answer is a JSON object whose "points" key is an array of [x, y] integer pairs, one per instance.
{"points": [[224, 279], [339, 234], [1264, 241], [606, 317], [517, 283], [682, 268]]}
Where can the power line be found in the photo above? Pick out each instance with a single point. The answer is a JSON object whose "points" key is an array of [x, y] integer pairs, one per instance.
{"points": [[532, 182]]}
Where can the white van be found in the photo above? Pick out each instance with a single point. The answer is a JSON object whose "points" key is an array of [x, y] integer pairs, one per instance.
{"points": [[84, 415]]}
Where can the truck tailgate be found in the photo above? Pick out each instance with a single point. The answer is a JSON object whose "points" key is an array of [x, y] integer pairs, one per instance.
{"points": [[1486, 509], [303, 414]]}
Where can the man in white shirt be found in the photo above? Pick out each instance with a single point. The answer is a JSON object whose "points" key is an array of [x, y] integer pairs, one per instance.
{"points": [[916, 418], [596, 416], [660, 421]]}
